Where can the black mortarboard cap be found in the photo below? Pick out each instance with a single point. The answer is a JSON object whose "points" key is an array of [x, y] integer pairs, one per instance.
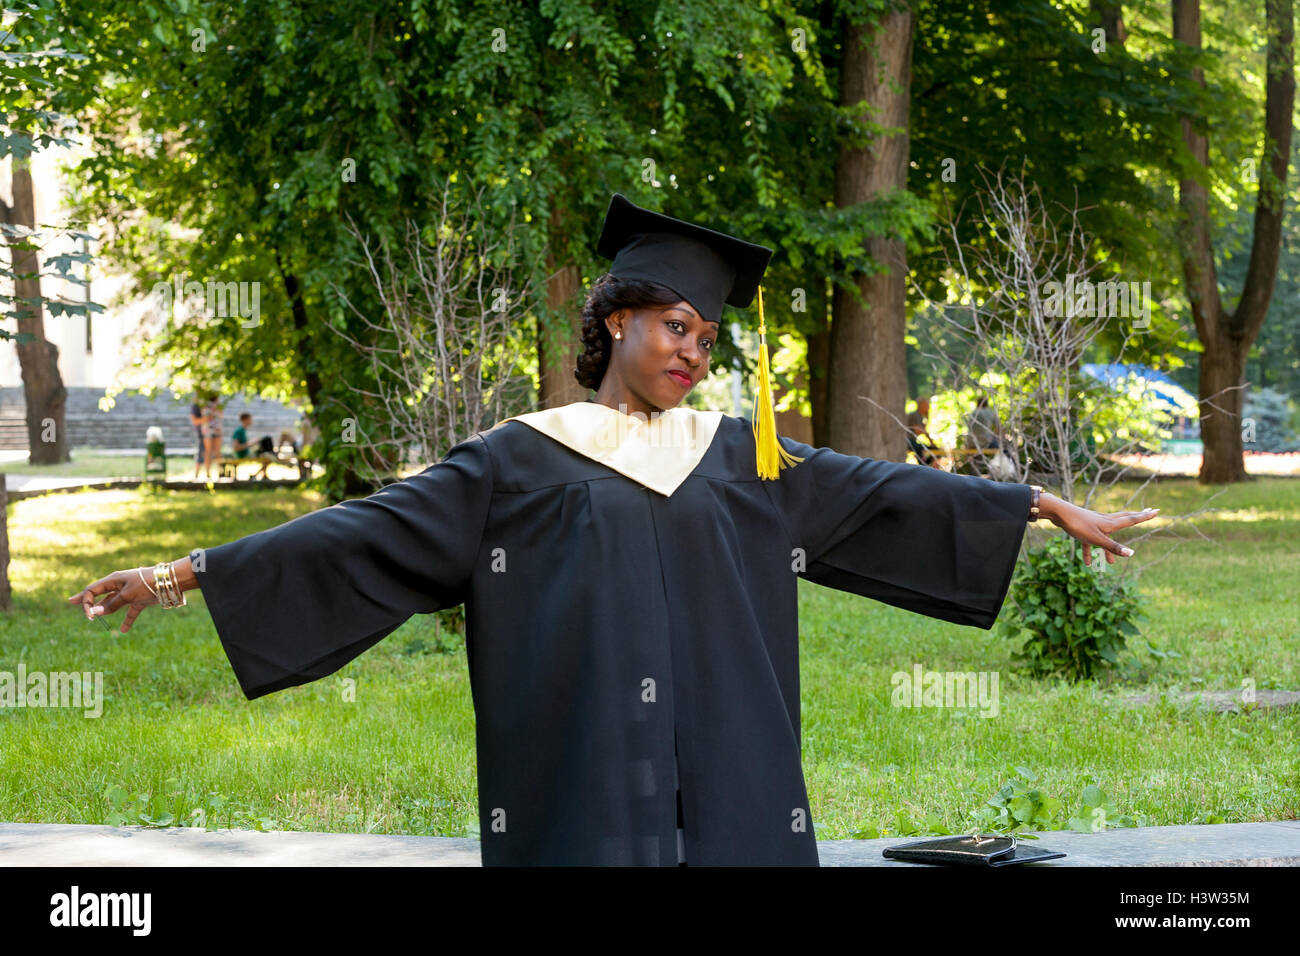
{"points": [[704, 267]]}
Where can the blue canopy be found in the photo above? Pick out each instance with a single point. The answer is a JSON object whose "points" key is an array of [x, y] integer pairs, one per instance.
{"points": [[1158, 386]]}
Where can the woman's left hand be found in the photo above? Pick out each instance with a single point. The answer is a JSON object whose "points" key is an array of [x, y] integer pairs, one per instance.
{"points": [[1091, 527]]}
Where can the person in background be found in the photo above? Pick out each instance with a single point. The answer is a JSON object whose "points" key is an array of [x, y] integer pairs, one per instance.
{"points": [[917, 429], [212, 431], [983, 425], [995, 455], [155, 448], [242, 447], [198, 420]]}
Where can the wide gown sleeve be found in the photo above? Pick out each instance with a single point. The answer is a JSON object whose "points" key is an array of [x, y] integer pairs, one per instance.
{"points": [[915, 537], [296, 602]]}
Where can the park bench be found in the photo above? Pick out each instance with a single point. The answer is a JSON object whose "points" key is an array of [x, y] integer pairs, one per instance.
{"points": [[228, 465]]}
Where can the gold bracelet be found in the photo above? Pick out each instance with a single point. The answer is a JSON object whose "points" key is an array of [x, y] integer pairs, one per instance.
{"points": [[160, 578], [178, 596], [146, 584], [168, 590], [177, 599]]}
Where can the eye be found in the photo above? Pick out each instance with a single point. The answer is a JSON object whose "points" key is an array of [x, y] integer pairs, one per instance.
{"points": [[708, 343]]}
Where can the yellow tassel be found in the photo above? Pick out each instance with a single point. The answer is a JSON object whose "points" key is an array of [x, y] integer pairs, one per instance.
{"points": [[768, 452]]}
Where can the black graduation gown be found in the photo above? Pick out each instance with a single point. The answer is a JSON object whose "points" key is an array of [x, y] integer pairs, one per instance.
{"points": [[609, 626]]}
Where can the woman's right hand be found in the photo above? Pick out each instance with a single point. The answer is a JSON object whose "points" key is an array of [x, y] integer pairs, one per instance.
{"points": [[119, 589]]}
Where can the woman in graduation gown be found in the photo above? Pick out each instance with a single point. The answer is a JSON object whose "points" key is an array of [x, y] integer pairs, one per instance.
{"points": [[629, 571]]}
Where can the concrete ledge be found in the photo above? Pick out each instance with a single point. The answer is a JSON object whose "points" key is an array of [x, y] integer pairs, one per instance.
{"points": [[1221, 844], [45, 844]]}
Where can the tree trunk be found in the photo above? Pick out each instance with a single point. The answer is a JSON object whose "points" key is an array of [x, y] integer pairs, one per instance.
{"points": [[1111, 15], [1222, 372], [868, 354], [1227, 336], [558, 339], [819, 357], [298, 308], [559, 328], [791, 423], [43, 390]]}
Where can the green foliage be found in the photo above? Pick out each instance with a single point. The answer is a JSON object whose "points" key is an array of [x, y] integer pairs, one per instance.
{"points": [[1097, 812], [1073, 620], [1012, 82], [1019, 803], [442, 632], [1008, 81], [178, 806]]}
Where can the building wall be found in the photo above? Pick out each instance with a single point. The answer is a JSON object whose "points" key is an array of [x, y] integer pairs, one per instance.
{"points": [[109, 352]]}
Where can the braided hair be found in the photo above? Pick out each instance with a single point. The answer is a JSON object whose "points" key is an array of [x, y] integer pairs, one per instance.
{"points": [[606, 297]]}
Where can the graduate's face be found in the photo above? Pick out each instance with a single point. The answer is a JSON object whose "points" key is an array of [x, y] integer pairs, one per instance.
{"points": [[662, 355]]}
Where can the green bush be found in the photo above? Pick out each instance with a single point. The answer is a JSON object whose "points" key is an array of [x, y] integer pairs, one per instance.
{"points": [[1074, 619], [442, 632]]}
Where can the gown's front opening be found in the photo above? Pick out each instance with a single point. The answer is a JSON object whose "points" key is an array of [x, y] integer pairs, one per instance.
{"points": [[681, 833]]}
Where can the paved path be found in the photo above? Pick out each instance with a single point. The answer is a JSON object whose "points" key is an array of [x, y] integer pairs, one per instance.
{"points": [[28, 483], [43, 844], [25, 487]]}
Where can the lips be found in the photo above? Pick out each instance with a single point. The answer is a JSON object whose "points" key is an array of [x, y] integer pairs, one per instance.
{"points": [[680, 378]]}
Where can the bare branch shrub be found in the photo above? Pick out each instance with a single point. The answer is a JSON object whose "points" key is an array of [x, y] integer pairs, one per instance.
{"points": [[1016, 323], [447, 352]]}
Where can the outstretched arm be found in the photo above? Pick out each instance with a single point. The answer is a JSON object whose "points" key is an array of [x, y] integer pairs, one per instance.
{"points": [[329, 584]]}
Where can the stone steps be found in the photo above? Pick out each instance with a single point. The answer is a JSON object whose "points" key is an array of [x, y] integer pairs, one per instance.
{"points": [[125, 425]]}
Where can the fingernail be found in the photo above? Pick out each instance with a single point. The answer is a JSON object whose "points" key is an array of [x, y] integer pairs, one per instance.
{"points": [[1126, 552]]}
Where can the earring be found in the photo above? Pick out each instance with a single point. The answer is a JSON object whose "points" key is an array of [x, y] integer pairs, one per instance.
{"points": [[618, 335]]}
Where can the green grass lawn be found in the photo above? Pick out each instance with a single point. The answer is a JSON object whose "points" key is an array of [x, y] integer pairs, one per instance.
{"points": [[177, 735]]}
